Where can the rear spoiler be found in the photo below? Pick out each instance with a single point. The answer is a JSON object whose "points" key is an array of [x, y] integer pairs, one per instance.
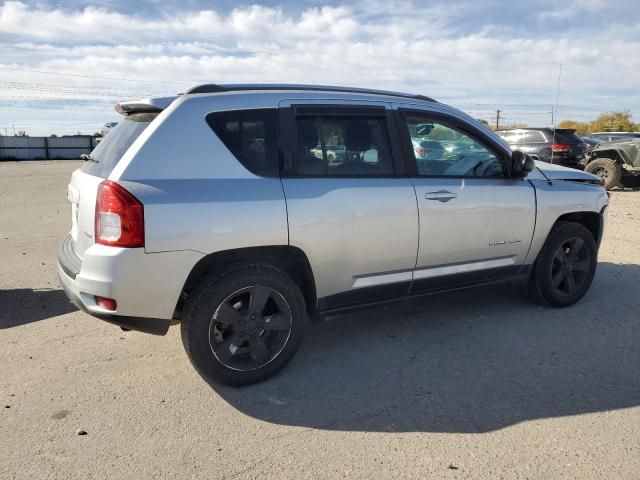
{"points": [[147, 105]]}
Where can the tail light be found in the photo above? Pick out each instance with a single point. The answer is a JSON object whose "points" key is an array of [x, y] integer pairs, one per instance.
{"points": [[422, 152], [106, 303], [560, 147], [119, 219]]}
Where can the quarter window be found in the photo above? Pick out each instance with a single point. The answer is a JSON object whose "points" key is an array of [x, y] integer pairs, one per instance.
{"points": [[443, 150], [252, 137], [337, 146]]}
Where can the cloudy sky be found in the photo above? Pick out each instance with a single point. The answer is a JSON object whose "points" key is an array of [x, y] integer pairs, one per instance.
{"points": [[64, 64]]}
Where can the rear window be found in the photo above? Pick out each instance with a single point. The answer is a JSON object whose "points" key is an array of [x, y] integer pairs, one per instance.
{"points": [[113, 146], [564, 135], [251, 136]]}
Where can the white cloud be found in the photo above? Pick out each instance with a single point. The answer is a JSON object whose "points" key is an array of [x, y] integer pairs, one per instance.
{"points": [[393, 46], [573, 9]]}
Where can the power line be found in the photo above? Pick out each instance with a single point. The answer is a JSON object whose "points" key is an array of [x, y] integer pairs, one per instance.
{"points": [[97, 77]]}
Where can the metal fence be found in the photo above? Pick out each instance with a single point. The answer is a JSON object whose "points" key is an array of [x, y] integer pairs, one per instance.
{"points": [[45, 148]]}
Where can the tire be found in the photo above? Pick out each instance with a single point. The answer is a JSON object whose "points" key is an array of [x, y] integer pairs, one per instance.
{"points": [[570, 250], [228, 344], [608, 169]]}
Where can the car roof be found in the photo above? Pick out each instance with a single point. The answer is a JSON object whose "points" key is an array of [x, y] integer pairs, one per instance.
{"points": [[159, 104], [608, 133], [256, 87]]}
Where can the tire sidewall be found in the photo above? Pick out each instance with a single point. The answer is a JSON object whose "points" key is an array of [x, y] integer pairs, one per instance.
{"points": [[614, 171], [203, 304]]}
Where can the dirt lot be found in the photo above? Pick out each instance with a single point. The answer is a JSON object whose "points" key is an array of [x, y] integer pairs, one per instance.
{"points": [[474, 384]]}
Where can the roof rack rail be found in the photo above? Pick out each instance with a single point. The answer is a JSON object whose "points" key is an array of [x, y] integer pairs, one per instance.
{"points": [[216, 88]]}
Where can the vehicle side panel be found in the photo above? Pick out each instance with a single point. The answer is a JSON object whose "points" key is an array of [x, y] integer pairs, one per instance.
{"points": [[357, 233], [211, 215], [196, 194], [558, 198]]}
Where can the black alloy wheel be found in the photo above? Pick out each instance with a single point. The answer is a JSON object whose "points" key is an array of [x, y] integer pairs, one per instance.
{"points": [[570, 267], [250, 328]]}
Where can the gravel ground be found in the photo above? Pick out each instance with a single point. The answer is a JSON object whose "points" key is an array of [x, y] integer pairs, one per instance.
{"points": [[473, 384]]}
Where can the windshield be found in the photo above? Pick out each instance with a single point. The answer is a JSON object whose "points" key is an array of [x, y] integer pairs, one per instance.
{"points": [[110, 150]]}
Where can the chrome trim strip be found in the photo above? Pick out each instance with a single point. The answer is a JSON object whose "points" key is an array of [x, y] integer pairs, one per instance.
{"points": [[373, 280], [462, 268]]}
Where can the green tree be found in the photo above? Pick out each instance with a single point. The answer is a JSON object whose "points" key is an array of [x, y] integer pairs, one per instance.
{"points": [[581, 128], [614, 122]]}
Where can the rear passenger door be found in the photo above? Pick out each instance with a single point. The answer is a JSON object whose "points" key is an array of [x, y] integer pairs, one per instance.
{"points": [[351, 208], [476, 222]]}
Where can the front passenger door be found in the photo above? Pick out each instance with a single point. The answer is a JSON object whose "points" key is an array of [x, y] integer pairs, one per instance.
{"points": [[476, 223]]}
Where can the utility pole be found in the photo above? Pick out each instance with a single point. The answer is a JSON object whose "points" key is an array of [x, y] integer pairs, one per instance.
{"points": [[552, 124], [497, 119]]}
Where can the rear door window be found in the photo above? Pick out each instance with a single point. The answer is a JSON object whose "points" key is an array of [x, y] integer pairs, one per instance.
{"points": [[343, 146], [533, 136], [512, 137], [113, 146], [251, 136]]}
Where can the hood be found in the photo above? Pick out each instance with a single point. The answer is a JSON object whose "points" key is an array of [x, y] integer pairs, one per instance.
{"points": [[558, 172]]}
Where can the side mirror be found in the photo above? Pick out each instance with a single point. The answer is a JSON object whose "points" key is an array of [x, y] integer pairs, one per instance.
{"points": [[370, 156], [521, 164]]}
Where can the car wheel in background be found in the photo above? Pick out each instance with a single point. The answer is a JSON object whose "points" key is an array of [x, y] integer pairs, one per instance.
{"points": [[608, 169]]}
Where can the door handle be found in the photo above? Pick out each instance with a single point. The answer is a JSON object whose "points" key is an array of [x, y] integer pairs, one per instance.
{"points": [[440, 195]]}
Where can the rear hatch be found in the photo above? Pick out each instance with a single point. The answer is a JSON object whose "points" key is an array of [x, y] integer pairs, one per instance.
{"points": [[568, 136], [84, 184]]}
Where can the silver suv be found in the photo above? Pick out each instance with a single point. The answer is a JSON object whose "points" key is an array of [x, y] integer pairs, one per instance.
{"points": [[224, 210]]}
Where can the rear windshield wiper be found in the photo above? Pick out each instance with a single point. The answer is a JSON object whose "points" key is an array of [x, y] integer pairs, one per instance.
{"points": [[88, 158]]}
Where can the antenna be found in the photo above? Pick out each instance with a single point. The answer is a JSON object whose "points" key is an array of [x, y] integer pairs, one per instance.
{"points": [[554, 119]]}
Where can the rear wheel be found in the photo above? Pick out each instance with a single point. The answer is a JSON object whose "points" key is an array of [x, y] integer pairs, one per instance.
{"points": [[243, 325], [565, 267], [608, 169]]}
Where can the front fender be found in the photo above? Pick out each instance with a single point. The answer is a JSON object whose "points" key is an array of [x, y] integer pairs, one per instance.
{"points": [[560, 198]]}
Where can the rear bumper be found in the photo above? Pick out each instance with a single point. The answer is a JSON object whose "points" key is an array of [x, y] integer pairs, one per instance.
{"points": [[154, 326], [145, 286]]}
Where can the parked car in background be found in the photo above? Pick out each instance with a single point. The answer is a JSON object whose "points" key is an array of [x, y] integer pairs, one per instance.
{"points": [[614, 136], [591, 142], [335, 153], [210, 209], [560, 146], [613, 161]]}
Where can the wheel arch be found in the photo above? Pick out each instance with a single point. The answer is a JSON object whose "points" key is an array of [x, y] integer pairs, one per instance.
{"points": [[592, 221], [609, 153], [290, 259]]}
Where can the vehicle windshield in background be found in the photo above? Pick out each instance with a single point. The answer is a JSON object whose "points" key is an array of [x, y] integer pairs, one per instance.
{"points": [[110, 150]]}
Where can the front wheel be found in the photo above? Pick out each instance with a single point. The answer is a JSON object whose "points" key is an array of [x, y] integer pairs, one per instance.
{"points": [[608, 169], [244, 324], [565, 267]]}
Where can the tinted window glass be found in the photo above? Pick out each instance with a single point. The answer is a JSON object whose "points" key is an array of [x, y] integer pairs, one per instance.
{"points": [[252, 137], [443, 150], [113, 146], [533, 136], [567, 136], [343, 146], [512, 137]]}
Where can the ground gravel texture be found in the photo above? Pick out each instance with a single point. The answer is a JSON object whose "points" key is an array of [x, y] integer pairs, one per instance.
{"points": [[475, 384]]}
